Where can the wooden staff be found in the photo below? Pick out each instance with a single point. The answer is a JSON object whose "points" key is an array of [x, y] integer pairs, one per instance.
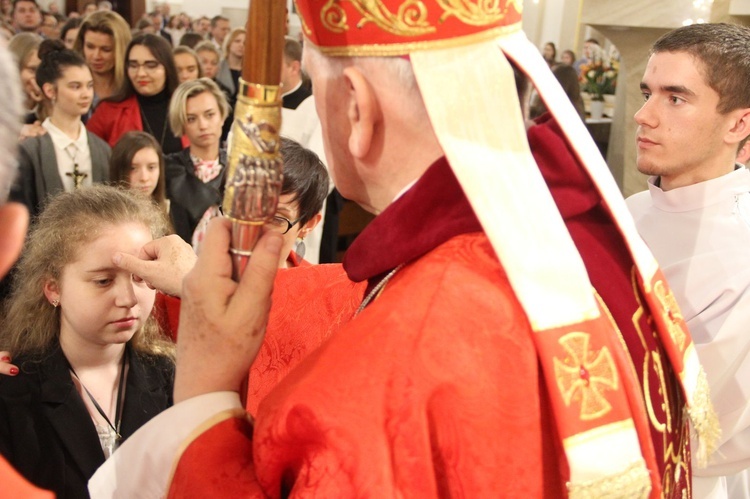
{"points": [[254, 175]]}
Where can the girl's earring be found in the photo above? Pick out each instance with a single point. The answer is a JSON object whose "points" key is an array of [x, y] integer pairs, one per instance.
{"points": [[55, 303]]}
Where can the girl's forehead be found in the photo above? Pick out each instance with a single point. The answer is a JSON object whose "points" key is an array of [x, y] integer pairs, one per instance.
{"points": [[111, 238]]}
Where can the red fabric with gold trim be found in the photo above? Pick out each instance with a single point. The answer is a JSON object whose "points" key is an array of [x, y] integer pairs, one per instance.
{"points": [[668, 318], [583, 375], [591, 381], [349, 27], [611, 271]]}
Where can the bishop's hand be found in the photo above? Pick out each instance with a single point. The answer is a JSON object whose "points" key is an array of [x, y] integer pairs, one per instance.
{"points": [[222, 322]]}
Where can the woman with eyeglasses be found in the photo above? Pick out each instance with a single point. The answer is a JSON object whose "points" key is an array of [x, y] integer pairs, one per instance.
{"points": [[303, 191], [25, 50], [142, 103]]}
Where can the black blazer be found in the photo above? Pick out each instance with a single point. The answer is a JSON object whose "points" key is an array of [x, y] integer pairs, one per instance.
{"points": [[45, 430], [38, 176], [189, 197]]}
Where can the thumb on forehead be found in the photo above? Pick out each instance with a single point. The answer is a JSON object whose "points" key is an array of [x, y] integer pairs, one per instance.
{"points": [[131, 263]]}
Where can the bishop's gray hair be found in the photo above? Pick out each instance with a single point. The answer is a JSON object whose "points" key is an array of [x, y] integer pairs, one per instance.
{"points": [[395, 72]]}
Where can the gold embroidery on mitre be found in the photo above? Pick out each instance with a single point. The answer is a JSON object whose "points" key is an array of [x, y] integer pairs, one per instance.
{"points": [[333, 17], [584, 375], [671, 314], [398, 49], [478, 12], [410, 20]]}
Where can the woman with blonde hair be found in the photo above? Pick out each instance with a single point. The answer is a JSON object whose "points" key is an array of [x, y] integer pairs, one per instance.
{"points": [[102, 40], [6, 10], [230, 68], [195, 175], [187, 63], [210, 57], [25, 49], [93, 365]]}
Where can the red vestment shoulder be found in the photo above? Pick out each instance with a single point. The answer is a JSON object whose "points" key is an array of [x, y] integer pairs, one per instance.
{"points": [[14, 485], [414, 397]]}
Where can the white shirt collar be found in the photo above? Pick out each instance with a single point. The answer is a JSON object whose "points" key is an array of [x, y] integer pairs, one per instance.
{"points": [[61, 140], [702, 194]]}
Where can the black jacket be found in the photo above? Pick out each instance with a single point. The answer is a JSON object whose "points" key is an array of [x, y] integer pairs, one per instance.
{"points": [[46, 431], [189, 197]]}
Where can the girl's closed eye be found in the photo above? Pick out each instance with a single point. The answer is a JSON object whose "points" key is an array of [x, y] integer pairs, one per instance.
{"points": [[103, 281]]}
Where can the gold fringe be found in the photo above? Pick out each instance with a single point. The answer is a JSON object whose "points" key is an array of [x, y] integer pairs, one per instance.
{"points": [[634, 482], [704, 420]]}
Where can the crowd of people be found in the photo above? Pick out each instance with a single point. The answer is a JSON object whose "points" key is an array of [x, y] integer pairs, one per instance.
{"points": [[468, 345], [123, 141], [97, 79]]}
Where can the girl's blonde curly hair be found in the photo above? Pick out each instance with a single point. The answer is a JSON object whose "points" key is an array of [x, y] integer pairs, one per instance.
{"points": [[71, 220]]}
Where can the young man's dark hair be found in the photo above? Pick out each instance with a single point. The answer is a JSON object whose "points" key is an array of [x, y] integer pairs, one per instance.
{"points": [[215, 20], [723, 51]]}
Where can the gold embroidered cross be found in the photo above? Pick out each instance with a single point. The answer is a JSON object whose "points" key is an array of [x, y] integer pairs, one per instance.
{"points": [[584, 375], [671, 314]]}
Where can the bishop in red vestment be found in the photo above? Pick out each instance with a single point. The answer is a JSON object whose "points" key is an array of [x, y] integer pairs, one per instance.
{"points": [[455, 376]]}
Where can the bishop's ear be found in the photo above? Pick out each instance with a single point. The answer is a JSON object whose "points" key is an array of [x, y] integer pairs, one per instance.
{"points": [[363, 112]]}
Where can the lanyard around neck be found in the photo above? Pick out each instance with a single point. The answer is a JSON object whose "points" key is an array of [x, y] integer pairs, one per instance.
{"points": [[120, 397]]}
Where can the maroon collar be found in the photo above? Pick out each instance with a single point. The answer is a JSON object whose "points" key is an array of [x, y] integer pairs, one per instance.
{"points": [[431, 212], [435, 209], [570, 185]]}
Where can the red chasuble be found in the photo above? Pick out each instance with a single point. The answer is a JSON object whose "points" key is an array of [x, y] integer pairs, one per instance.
{"points": [[434, 389], [612, 273], [166, 309], [14, 485]]}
